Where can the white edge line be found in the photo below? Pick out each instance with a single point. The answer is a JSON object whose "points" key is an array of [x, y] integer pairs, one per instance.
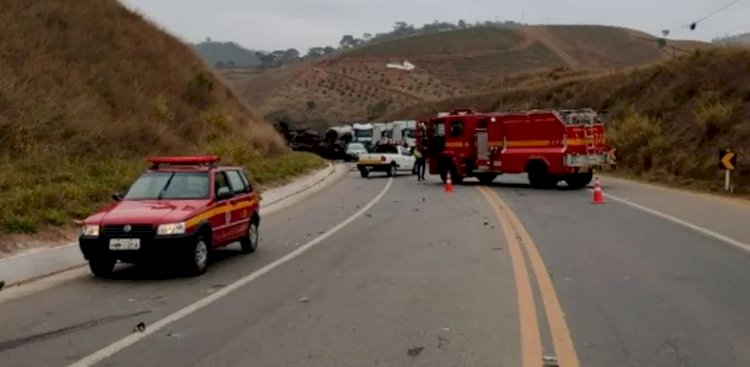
{"points": [[702, 230], [133, 338]]}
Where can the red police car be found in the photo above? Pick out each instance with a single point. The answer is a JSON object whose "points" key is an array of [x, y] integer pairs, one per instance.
{"points": [[177, 211]]}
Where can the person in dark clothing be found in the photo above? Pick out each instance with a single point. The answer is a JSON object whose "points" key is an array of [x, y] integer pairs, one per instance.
{"points": [[420, 164]]}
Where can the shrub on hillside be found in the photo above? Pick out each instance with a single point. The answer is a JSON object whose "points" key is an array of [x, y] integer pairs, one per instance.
{"points": [[199, 88], [639, 139]]}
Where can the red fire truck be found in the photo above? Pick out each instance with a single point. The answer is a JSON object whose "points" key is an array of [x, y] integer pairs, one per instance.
{"points": [[551, 146]]}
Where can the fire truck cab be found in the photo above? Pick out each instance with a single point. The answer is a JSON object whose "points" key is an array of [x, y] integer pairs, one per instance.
{"points": [[550, 145]]}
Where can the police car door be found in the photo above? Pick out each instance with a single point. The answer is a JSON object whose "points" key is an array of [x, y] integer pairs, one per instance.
{"points": [[241, 204], [221, 220]]}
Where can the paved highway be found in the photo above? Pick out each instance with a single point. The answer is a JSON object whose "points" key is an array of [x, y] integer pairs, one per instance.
{"points": [[388, 272]]}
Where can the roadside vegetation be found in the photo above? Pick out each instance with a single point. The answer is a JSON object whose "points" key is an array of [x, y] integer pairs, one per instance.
{"points": [[667, 121], [88, 90]]}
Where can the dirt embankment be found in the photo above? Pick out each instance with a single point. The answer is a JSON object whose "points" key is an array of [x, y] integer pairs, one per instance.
{"points": [[88, 89]]}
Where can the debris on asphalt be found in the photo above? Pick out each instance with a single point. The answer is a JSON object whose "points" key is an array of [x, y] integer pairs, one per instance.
{"points": [[131, 300], [304, 300], [141, 327], [2, 284], [369, 215], [442, 341], [174, 335], [416, 209], [423, 200], [321, 232], [446, 329], [497, 249], [549, 361], [486, 223], [415, 351]]}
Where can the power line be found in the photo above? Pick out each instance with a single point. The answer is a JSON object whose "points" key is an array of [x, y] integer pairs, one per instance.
{"points": [[694, 24]]}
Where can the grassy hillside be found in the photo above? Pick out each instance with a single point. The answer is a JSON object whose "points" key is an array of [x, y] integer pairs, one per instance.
{"points": [[356, 85], [667, 121], [88, 90]]}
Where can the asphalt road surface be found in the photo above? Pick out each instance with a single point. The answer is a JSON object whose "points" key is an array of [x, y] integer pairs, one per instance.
{"points": [[389, 272]]}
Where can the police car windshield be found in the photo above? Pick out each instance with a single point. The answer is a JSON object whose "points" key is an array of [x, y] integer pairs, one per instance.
{"points": [[170, 185]]}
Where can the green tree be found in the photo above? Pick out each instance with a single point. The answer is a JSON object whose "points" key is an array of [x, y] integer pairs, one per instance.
{"points": [[347, 41]]}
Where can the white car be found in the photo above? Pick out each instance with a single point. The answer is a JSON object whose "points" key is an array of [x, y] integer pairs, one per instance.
{"points": [[386, 158], [353, 151]]}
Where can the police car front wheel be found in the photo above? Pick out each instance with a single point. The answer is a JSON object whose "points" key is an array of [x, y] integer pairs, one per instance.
{"points": [[198, 257], [102, 267]]}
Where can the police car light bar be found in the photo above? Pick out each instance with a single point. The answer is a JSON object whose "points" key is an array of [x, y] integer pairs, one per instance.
{"points": [[188, 160]]}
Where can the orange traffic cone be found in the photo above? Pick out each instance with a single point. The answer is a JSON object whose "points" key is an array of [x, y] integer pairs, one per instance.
{"points": [[449, 184], [598, 194]]}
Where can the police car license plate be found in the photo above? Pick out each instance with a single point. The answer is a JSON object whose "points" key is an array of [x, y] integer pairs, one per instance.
{"points": [[124, 244]]}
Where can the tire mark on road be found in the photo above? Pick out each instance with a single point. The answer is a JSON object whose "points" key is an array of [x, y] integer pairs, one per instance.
{"points": [[15, 343]]}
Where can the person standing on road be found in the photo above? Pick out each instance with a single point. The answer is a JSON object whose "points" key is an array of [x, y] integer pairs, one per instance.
{"points": [[419, 164]]}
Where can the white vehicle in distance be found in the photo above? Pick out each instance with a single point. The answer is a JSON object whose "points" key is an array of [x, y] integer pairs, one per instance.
{"points": [[386, 158], [363, 133], [353, 151]]}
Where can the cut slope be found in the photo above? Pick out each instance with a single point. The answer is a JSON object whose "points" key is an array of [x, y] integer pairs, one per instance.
{"points": [[357, 86], [667, 121], [87, 90]]}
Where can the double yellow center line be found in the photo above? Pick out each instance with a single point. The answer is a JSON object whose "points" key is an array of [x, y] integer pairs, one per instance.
{"points": [[520, 243]]}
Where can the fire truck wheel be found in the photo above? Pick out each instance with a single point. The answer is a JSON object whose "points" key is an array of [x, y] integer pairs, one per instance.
{"points": [[487, 178], [579, 180], [364, 172], [539, 178], [455, 178]]}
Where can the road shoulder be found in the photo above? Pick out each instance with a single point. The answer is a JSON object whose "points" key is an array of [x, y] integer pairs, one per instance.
{"points": [[714, 213]]}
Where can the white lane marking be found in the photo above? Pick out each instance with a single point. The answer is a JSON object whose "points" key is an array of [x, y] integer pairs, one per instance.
{"points": [[131, 339], [697, 228]]}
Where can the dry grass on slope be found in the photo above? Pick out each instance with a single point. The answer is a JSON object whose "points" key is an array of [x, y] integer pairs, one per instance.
{"points": [[88, 89]]}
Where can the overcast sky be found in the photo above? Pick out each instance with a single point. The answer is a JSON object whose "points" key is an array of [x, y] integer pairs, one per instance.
{"points": [[280, 24]]}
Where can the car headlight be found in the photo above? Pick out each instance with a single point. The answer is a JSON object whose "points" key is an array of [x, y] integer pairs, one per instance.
{"points": [[170, 229], [90, 230]]}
